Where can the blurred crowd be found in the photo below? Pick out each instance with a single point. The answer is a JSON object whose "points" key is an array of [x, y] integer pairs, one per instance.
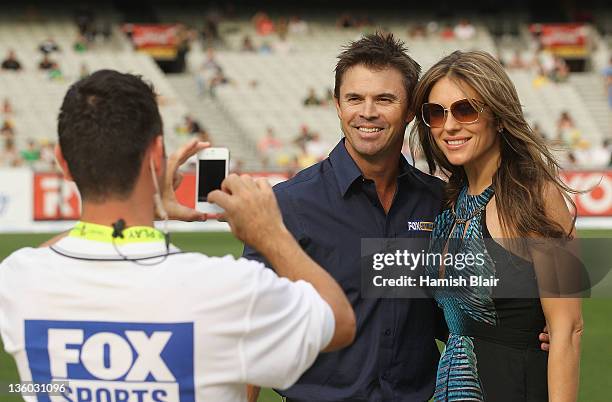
{"points": [[273, 35], [48, 63], [89, 33], [305, 149], [36, 154]]}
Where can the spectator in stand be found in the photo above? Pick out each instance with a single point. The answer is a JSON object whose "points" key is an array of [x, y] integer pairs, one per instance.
{"points": [[346, 20], [571, 162], [545, 60], [517, 62], [292, 168], [263, 24], [83, 71], [46, 63], [417, 31], [210, 63], [464, 30], [303, 137], [192, 126], [565, 122], [567, 132], [329, 97], [7, 130], [203, 135], [268, 145], [447, 33], [219, 78], [210, 30], [84, 20], [601, 155], [304, 159], [432, 28], [48, 46], [297, 26], [537, 130], [7, 107], [282, 46], [236, 166], [55, 72], [9, 157], [247, 44], [541, 77], [282, 27], [205, 77], [607, 73], [31, 154], [80, 44], [561, 71], [265, 48], [105, 30], [312, 99], [269, 142], [47, 156], [416, 157], [11, 62], [364, 21], [316, 148], [184, 36]]}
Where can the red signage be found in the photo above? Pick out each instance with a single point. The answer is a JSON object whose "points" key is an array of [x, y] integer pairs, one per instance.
{"points": [[58, 199], [55, 198], [158, 40], [153, 35], [597, 198], [562, 39]]}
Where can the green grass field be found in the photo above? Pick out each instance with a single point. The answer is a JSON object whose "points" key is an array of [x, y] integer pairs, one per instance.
{"points": [[596, 365]]}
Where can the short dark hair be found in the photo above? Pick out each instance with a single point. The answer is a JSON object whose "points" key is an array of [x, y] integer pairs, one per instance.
{"points": [[379, 50], [106, 122]]}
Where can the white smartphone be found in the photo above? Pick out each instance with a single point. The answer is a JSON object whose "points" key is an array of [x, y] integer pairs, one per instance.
{"points": [[213, 167]]}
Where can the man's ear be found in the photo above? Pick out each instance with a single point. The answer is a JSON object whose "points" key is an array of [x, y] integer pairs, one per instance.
{"points": [[59, 157], [157, 154], [337, 104]]}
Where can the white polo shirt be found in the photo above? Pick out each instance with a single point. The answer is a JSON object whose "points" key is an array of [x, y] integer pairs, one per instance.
{"points": [[185, 327]]}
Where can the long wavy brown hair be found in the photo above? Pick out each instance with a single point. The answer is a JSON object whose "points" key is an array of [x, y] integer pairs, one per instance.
{"points": [[526, 168]]}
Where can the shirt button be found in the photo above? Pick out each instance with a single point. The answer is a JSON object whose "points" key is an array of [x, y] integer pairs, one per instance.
{"points": [[387, 332]]}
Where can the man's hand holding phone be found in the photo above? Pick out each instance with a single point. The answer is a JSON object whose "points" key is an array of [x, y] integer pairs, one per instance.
{"points": [[173, 179], [212, 169], [251, 210]]}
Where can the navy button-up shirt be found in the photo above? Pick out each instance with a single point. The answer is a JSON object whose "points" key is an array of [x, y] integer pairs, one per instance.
{"points": [[329, 208]]}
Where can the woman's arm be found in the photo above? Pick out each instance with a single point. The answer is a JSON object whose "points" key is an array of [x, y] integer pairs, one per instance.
{"points": [[564, 318], [563, 314]]}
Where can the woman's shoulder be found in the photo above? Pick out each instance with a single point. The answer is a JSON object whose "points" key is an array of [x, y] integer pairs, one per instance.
{"points": [[556, 206]]}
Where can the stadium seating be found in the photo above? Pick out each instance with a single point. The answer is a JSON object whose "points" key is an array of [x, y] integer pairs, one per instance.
{"points": [[265, 90], [36, 98]]}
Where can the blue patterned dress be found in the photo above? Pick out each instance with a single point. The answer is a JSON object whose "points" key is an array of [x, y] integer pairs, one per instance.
{"points": [[492, 353]]}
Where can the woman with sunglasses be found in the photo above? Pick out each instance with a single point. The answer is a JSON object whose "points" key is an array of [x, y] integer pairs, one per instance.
{"points": [[503, 183]]}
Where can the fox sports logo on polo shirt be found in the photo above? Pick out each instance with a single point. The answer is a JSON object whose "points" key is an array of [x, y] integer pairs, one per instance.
{"points": [[111, 361]]}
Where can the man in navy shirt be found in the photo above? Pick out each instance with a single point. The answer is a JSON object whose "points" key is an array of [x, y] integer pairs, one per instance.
{"points": [[366, 189]]}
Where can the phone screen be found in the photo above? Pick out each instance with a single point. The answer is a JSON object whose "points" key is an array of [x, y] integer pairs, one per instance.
{"points": [[211, 174]]}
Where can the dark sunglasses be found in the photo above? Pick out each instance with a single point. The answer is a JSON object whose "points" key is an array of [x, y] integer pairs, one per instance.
{"points": [[434, 114]]}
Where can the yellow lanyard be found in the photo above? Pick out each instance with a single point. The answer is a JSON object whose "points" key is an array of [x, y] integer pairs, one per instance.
{"points": [[101, 233]]}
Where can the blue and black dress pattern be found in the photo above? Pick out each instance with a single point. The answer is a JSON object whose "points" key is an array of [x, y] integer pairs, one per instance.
{"points": [[491, 341]]}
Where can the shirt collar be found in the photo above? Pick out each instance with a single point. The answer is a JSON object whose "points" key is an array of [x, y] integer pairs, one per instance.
{"points": [[347, 171], [101, 233], [344, 167]]}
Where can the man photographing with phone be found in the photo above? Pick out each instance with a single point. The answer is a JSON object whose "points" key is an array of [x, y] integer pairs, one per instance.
{"points": [[114, 312]]}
